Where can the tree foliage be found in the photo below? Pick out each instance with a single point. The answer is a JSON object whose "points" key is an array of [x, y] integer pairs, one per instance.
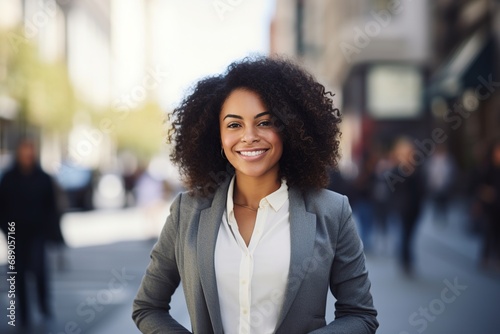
{"points": [[42, 89]]}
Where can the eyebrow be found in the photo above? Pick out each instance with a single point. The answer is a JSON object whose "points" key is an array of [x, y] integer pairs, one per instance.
{"points": [[239, 117]]}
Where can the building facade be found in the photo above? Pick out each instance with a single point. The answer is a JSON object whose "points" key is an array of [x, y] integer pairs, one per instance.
{"points": [[400, 67], [372, 54], [464, 87]]}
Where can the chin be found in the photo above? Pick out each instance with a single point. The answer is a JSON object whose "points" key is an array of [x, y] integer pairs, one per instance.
{"points": [[252, 175], [255, 173]]}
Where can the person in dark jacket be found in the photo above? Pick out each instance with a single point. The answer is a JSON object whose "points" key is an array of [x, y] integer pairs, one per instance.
{"points": [[489, 196], [27, 202], [363, 207], [408, 193]]}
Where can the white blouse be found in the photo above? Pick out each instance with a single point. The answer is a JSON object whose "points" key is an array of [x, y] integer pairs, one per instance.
{"points": [[251, 281]]}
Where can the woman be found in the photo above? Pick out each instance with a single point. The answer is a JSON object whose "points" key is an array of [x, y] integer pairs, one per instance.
{"points": [[257, 242]]}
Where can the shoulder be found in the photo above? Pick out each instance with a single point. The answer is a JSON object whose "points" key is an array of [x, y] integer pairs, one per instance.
{"points": [[7, 176], [324, 197], [43, 176], [324, 202], [187, 202], [195, 202]]}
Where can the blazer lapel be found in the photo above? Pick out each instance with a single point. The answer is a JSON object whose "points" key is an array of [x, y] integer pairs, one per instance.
{"points": [[208, 229], [302, 238]]}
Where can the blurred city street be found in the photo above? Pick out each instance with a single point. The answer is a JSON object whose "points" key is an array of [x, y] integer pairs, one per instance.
{"points": [[93, 292], [91, 100]]}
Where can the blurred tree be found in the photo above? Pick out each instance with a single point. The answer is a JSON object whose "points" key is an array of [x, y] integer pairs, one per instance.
{"points": [[43, 90], [45, 96], [139, 130]]}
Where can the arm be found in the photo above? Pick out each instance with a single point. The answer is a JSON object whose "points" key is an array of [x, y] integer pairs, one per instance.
{"points": [[3, 205], [354, 311], [152, 303]]}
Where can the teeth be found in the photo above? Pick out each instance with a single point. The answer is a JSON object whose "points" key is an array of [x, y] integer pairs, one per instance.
{"points": [[252, 153]]}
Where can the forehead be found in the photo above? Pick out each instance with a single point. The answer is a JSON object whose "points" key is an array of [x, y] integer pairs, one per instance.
{"points": [[242, 102]]}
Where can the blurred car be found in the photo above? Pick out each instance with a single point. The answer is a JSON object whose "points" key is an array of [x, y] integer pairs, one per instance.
{"points": [[78, 184]]}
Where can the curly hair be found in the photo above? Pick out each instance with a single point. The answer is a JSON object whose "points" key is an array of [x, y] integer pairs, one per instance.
{"points": [[301, 109]]}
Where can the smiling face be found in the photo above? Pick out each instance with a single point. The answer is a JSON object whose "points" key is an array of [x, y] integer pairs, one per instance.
{"points": [[249, 138]]}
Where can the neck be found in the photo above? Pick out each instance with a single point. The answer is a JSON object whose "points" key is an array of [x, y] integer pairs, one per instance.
{"points": [[26, 170], [250, 190]]}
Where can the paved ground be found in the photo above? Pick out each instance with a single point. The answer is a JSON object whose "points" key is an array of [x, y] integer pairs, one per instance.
{"points": [[93, 294]]}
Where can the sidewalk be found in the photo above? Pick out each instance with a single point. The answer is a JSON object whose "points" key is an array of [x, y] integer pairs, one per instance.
{"points": [[107, 254], [446, 257], [97, 282]]}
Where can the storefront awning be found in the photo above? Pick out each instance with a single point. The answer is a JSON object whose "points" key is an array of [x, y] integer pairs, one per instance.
{"points": [[472, 59]]}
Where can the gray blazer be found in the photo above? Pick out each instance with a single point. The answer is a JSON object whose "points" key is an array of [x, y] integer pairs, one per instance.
{"points": [[326, 252]]}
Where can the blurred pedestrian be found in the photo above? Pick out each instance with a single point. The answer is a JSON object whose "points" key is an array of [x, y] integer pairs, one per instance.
{"points": [[439, 173], [339, 183], [407, 196], [130, 172], [477, 220], [149, 194], [363, 208], [382, 201], [257, 242], [489, 194], [27, 198]]}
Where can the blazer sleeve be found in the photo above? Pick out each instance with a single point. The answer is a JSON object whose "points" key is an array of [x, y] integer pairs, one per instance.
{"points": [[349, 283], [152, 304]]}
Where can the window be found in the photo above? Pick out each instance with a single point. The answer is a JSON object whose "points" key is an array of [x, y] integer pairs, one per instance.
{"points": [[394, 91]]}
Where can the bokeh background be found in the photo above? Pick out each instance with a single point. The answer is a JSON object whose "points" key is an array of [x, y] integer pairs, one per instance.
{"points": [[91, 83]]}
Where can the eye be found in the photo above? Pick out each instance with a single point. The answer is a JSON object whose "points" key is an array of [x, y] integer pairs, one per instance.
{"points": [[265, 123], [233, 125]]}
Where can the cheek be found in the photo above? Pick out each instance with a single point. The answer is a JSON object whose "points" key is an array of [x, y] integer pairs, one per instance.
{"points": [[277, 142], [228, 139]]}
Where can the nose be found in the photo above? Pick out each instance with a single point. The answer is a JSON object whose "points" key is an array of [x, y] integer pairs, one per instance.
{"points": [[250, 135]]}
